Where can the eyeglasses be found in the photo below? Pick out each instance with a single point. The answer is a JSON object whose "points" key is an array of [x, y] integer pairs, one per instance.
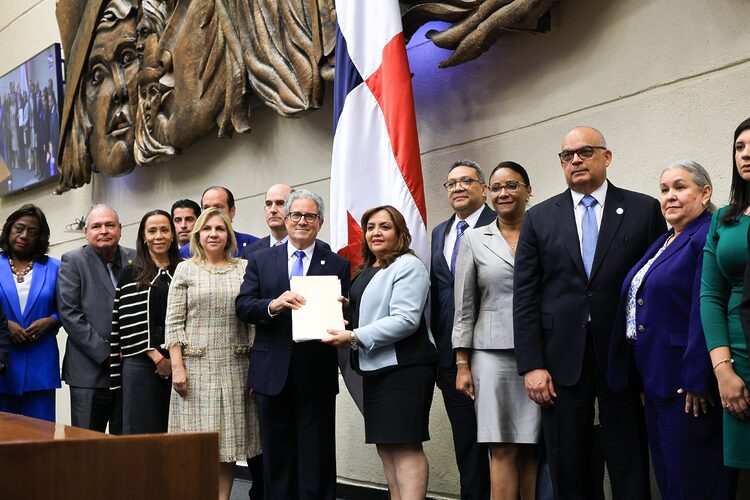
{"points": [[510, 186], [465, 183], [584, 153], [298, 216]]}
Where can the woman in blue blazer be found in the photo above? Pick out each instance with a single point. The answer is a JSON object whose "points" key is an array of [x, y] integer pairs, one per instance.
{"points": [[28, 278], [392, 349], [658, 344]]}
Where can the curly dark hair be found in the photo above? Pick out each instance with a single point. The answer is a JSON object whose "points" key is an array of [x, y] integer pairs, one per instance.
{"points": [[42, 244]]}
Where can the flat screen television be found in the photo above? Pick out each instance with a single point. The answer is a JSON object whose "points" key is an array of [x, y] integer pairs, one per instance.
{"points": [[30, 96]]}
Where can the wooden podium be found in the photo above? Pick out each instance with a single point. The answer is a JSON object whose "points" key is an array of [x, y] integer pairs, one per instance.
{"points": [[42, 460]]}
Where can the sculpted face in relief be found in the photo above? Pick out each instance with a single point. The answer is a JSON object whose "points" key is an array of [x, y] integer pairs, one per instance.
{"points": [[148, 78]]}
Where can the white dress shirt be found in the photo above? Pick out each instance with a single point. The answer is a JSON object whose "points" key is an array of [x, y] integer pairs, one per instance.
{"points": [[290, 249], [450, 235], [600, 194]]}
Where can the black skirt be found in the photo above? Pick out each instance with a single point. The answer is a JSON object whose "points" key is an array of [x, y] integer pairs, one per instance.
{"points": [[397, 404]]}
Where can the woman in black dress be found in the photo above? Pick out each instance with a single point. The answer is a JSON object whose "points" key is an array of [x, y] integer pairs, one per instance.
{"points": [[393, 350]]}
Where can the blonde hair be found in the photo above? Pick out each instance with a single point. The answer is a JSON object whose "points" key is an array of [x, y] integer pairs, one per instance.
{"points": [[199, 254]]}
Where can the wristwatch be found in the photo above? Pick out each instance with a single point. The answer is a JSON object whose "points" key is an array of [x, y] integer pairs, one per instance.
{"points": [[353, 342]]}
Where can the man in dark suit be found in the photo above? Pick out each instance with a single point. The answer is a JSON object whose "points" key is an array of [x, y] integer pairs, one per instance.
{"points": [[184, 215], [295, 383], [223, 199], [274, 214], [573, 254], [466, 194], [85, 295]]}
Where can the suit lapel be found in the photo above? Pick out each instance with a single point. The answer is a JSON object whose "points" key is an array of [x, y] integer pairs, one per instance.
{"points": [[317, 262], [281, 265], [440, 245], [495, 243], [614, 211], [38, 277], [7, 280], [100, 271], [566, 224], [679, 242]]}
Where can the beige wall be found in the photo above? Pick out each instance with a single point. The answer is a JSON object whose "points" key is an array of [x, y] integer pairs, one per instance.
{"points": [[663, 79]]}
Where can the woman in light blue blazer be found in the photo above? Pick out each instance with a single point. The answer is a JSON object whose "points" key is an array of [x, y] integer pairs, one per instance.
{"points": [[507, 420], [392, 349], [28, 278]]}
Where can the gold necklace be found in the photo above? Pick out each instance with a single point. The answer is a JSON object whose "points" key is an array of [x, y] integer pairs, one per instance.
{"points": [[20, 275]]}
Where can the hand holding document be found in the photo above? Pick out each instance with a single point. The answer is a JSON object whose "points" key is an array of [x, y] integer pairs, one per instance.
{"points": [[322, 309]]}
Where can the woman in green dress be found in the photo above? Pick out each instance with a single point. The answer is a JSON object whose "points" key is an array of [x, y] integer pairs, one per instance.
{"points": [[722, 281]]}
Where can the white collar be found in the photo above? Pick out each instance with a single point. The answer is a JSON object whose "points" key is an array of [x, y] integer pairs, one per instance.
{"points": [[599, 194]]}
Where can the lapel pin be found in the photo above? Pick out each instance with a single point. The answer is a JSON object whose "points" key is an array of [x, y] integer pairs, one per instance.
{"points": [[619, 211], [322, 263]]}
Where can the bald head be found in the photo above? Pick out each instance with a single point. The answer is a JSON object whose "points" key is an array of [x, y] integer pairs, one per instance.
{"points": [[273, 209], [584, 159], [590, 132]]}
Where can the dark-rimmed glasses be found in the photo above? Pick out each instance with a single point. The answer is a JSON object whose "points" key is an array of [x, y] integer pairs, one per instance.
{"points": [[465, 183], [584, 153], [298, 216], [510, 186]]}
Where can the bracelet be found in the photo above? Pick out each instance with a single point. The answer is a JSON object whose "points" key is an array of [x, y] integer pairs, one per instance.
{"points": [[158, 360], [462, 362], [725, 360]]}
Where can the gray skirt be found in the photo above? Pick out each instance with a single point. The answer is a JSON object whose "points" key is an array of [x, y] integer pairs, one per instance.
{"points": [[505, 414]]}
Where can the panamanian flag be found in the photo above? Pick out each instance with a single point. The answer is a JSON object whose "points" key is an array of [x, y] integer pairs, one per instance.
{"points": [[375, 147]]}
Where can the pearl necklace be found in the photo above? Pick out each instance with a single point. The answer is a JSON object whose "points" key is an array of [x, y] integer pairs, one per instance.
{"points": [[20, 275]]}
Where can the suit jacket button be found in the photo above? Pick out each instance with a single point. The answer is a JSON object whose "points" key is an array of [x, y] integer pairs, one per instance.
{"points": [[641, 328], [590, 294], [640, 302]]}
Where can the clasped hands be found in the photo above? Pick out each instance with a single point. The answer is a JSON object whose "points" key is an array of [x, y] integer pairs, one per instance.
{"points": [[20, 335]]}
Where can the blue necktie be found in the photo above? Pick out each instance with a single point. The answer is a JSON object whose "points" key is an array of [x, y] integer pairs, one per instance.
{"points": [[589, 233], [297, 268], [460, 228]]}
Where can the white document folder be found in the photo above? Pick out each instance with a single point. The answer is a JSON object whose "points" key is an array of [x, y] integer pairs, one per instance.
{"points": [[322, 310]]}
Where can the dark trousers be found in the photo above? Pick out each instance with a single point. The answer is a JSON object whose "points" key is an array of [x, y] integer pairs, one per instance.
{"points": [[686, 452], [94, 408], [145, 397], [299, 443], [35, 404], [570, 439], [472, 458]]}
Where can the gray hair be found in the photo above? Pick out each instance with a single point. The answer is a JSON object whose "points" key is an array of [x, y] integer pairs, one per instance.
{"points": [[699, 173], [304, 194], [470, 164], [102, 206]]}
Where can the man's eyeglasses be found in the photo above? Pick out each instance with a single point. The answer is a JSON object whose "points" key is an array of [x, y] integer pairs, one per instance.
{"points": [[298, 216], [465, 183], [584, 153], [510, 186]]}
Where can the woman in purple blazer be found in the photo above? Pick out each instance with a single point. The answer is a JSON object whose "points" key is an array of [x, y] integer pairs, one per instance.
{"points": [[658, 344], [28, 278]]}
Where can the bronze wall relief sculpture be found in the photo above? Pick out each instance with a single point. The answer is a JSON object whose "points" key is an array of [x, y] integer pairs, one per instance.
{"points": [[147, 78]]}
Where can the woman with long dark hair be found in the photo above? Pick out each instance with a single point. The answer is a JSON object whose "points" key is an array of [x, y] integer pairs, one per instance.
{"points": [[28, 278], [138, 365], [397, 355], [722, 286]]}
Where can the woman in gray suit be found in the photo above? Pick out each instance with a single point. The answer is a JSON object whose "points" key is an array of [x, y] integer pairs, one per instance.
{"points": [[507, 420]]}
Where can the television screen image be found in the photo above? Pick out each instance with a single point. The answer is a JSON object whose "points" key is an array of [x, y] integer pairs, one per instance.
{"points": [[30, 96]]}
